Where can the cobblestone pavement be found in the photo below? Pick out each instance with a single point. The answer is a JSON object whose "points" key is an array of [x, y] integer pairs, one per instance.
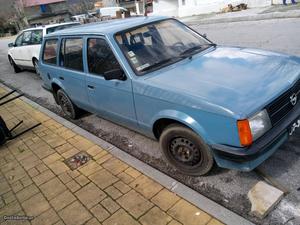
{"points": [[35, 181]]}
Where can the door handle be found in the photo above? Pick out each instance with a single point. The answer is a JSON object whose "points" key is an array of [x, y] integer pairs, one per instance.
{"points": [[61, 78], [91, 87]]}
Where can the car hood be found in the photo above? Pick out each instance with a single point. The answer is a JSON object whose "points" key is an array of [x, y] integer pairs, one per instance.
{"points": [[236, 81]]}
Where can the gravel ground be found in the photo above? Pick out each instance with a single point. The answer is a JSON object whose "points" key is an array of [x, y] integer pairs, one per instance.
{"points": [[227, 187]]}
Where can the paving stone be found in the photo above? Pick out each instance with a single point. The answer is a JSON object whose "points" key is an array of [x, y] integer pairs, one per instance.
{"points": [[103, 179], [30, 162], [10, 209], [65, 177], [155, 216], [115, 166], [36, 205], [73, 186], [174, 222], [134, 203], [26, 181], [113, 192], [9, 197], [263, 198], [75, 214], [74, 173], [64, 148], [132, 172], [94, 150], [59, 167], [90, 195], [165, 199], [52, 188], [70, 153], [43, 177], [43, 151], [215, 222], [103, 159], [120, 218], [90, 168], [62, 200], [51, 158], [42, 167], [110, 205], [146, 186], [60, 222], [121, 186], [82, 180], [27, 192], [17, 186], [33, 172], [125, 177], [187, 213], [48, 217], [93, 221], [100, 155], [84, 144], [100, 213]]}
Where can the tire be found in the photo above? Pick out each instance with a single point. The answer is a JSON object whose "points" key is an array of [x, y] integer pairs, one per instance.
{"points": [[14, 65], [36, 67], [186, 150], [67, 106]]}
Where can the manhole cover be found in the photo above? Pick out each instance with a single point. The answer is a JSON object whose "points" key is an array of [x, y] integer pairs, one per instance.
{"points": [[77, 160]]}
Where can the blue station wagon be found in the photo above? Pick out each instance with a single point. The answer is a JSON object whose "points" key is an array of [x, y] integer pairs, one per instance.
{"points": [[205, 103]]}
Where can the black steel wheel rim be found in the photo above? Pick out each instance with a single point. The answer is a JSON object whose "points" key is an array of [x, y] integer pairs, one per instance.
{"points": [[185, 152]]}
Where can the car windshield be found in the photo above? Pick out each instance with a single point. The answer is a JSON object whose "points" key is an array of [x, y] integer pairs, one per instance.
{"points": [[159, 44], [60, 27]]}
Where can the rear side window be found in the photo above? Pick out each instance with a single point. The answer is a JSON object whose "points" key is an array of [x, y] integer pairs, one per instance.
{"points": [[50, 51], [36, 37], [71, 54], [26, 38]]}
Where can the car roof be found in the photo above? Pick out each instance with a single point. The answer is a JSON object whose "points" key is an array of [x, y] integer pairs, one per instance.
{"points": [[108, 26], [49, 26]]}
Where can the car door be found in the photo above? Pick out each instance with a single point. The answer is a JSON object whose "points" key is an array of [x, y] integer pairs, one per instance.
{"points": [[15, 51], [71, 73], [24, 52], [36, 41], [110, 98]]}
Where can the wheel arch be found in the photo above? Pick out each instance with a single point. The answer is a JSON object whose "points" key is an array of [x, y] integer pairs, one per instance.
{"points": [[168, 117]]}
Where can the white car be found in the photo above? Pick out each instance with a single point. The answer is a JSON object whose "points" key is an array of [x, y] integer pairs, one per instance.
{"points": [[24, 52]]}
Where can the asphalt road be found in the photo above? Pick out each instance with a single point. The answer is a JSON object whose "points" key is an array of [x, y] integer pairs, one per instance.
{"points": [[227, 187]]}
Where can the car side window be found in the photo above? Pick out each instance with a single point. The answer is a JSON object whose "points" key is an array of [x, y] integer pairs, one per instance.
{"points": [[36, 37], [50, 51], [100, 57], [18, 41], [26, 38], [71, 53]]}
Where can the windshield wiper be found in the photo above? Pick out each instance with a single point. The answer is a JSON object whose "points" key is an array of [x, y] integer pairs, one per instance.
{"points": [[190, 51]]}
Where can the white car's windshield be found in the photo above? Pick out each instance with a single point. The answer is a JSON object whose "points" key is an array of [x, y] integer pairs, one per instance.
{"points": [[158, 44]]}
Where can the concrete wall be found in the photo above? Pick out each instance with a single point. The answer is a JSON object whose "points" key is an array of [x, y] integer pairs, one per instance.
{"points": [[195, 7]]}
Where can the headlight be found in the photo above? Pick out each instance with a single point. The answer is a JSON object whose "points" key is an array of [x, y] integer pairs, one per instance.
{"points": [[260, 124], [253, 128]]}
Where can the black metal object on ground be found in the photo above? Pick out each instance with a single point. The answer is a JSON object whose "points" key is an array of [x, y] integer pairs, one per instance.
{"points": [[5, 132]]}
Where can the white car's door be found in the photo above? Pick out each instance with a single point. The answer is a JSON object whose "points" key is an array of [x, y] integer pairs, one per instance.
{"points": [[14, 51], [36, 42], [24, 52]]}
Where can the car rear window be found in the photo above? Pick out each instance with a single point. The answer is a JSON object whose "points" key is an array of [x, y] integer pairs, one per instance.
{"points": [[50, 50], [71, 54]]}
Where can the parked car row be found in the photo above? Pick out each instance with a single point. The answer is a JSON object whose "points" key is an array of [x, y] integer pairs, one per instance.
{"points": [[205, 103]]}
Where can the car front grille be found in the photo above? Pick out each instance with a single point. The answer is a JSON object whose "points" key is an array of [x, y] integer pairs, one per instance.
{"points": [[279, 108]]}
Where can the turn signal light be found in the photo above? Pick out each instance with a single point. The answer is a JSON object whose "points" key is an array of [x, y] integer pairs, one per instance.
{"points": [[245, 134]]}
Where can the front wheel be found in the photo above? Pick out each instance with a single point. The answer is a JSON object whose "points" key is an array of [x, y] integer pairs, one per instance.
{"points": [[67, 106], [36, 66], [186, 150], [17, 69]]}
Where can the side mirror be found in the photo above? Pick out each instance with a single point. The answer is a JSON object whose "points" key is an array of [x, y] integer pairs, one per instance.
{"points": [[10, 45], [115, 74]]}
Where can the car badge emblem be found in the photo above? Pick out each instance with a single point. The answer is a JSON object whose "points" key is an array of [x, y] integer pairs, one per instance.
{"points": [[294, 99]]}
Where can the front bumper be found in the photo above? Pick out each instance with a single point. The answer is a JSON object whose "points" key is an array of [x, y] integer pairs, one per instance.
{"points": [[247, 159]]}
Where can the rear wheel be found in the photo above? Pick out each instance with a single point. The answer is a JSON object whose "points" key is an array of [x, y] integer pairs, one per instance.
{"points": [[36, 66], [17, 69], [186, 150], [67, 106]]}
